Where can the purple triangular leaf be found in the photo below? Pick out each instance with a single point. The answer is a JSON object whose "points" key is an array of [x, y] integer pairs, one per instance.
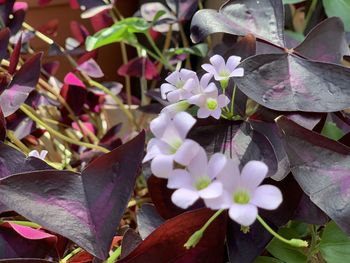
{"points": [[321, 167], [87, 208], [326, 42], [21, 85], [4, 41], [263, 18], [286, 82]]}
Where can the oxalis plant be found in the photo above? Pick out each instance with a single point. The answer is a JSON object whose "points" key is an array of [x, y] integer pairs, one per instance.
{"points": [[243, 157]]}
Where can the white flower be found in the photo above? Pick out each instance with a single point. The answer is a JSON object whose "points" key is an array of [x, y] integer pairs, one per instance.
{"points": [[36, 154], [179, 87], [175, 108], [198, 181], [208, 100], [242, 193], [170, 143], [223, 71]]}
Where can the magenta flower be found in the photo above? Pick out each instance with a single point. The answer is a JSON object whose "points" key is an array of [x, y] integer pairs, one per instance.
{"points": [[170, 143], [179, 87], [198, 181], [223, 71], [208, 100], [243, 193]]}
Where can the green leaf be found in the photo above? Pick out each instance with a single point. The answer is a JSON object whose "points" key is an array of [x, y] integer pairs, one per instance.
{"points": [[331, 130], [292, 1], [123, 30], [199, 50], [159, 14], [335, 244], [285, 252], [340, 8], [267, 260]]}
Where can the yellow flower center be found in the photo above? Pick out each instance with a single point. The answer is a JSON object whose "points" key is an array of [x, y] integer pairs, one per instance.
{"points": [[241, 197], [212, 104], [202, 183]]}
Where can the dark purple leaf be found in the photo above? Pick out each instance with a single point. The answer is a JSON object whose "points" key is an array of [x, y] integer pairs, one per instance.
{"points": [[91, 68], [90, 3], [309, 213], [161, 198], [2, 126], [15, 57], [75, 96], [326, 42], [237, 140], [6, 10], [263, 18], [244, 248], [321, 167], [130, 241], [79, 31], [184, 9], [148, 220], [86, 208], [15, 23], [13, 161], [19, 241], [4, 41], [286, 82], [166, 243], [23, 82], [139, 67], [111, 139]]}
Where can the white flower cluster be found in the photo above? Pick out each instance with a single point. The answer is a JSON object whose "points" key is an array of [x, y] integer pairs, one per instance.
{"points": [[184, 88], [185, 163]]}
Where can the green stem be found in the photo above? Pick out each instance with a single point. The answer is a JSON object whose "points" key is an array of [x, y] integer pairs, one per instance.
{"points": [[292, 242], [196, 236], [70, 255], [26, 109], [17, 142], [158, 52], [233, 100], [115, 255], [309, 13]]}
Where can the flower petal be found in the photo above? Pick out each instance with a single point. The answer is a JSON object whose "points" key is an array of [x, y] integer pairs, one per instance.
{"points": [[184, 198], [43, 154], [253, 173], [180, 178], [244, 215], [199, 163], [229, 176], [183, 123], [162, 165], [216, 113], [173, 78], [216, 164], [159, 124], [173, 109], [239, 72], [218, 62], [186, 152], [213, 190], [198, 100], [174, 96], [203, 113], [223, 201], [34, 153], [233, 62], [165, 89], [204, 82], [209, 68], [186, 74], [223, 100], [267, 196]]}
